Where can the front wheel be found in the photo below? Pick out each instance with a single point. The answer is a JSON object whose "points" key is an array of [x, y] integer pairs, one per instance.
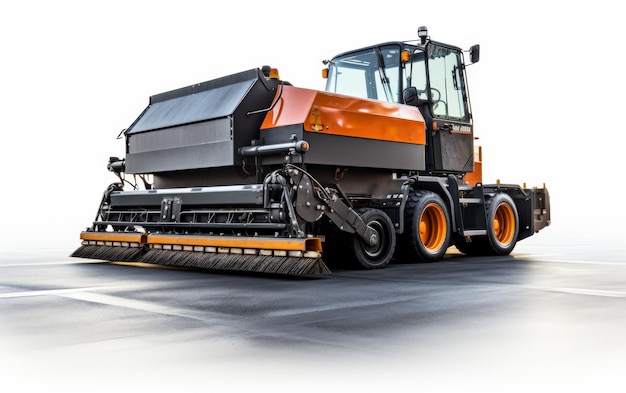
{"points": [[428, 225], [378, 255]]}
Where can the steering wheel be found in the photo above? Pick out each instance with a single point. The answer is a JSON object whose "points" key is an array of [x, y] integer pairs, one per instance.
{"points": [[435, 93]]}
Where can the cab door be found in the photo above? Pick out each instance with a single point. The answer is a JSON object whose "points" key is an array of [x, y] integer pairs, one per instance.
{"points": [[451, 140]]}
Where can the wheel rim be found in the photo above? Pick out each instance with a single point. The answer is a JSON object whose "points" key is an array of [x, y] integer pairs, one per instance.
{"points": [[377, 255], [432, 227], [504, 224], [373, 252]]}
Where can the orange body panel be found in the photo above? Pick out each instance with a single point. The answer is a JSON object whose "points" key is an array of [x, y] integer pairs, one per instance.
{"points": [[289, 244], [329, 113], [113, 237], [475, 177]]}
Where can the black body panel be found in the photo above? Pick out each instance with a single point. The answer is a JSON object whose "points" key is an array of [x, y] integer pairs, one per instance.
{"points": [[248, 195], [199, 126], [337, 150]]}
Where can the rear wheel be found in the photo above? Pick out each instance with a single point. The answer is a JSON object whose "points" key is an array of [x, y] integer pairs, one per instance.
{"points": [[502, 229], [502, 224], [378, 255], [428, 221]]}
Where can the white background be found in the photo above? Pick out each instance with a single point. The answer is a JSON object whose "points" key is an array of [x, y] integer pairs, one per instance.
{"points": [[546, 94]]}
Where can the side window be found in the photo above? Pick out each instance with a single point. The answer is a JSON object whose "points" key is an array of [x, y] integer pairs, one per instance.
{"points": [[362, 75], [354, 75], [447, 83], [351, 81]]}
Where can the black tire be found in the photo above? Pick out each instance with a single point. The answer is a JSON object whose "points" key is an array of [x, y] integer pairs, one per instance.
{"points": [[502, 224], [427, 228], [502, 230], [379, 255]]}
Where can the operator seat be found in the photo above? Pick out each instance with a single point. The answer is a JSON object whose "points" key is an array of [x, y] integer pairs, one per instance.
{"points": [[411, 97]]}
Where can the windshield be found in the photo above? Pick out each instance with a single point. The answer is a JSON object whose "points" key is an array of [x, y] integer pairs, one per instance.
{"points": [[377, 73], [373, 73]]}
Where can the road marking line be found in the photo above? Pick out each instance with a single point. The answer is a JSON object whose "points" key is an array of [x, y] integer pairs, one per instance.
{"points": [[87, 294], [52, 263], [546, 259], [584, 291], [47, 292], [134, 304]]}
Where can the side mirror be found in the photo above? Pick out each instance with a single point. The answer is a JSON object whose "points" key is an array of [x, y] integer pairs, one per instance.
{"points": [[475, 53], [409, 96]]}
